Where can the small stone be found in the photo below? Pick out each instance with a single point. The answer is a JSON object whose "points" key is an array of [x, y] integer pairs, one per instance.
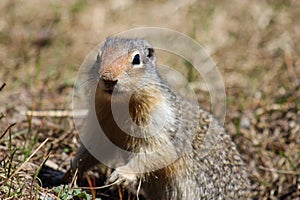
{"points": [[245, 122]]}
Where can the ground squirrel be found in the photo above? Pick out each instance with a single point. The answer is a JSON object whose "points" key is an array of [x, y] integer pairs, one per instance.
{"points": [[194, 157]]}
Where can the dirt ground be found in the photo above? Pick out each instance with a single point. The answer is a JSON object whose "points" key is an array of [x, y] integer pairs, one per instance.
{"points": [[255, 44]]}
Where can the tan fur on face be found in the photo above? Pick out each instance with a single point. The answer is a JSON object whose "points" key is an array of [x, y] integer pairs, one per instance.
{"points": [[116, 68]]}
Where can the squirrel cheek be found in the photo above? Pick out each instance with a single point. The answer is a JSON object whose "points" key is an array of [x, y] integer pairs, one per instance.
{"points": [[115, 69], [110, 72]]}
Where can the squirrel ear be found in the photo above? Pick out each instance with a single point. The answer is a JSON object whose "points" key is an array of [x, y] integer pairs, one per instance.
{"points": [[99, 56], [150, 52]]}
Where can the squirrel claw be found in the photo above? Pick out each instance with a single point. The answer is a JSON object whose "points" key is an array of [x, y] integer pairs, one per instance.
{"points": [[122, 175]]}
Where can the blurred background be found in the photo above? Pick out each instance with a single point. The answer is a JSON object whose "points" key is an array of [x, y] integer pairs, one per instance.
{"points": [[255, 45]]}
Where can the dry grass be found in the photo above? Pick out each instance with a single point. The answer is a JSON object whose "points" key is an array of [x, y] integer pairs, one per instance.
{"points": [[254, 43]]}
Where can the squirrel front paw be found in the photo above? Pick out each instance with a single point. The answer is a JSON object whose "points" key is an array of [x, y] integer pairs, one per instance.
{"points": [[122, 175]]}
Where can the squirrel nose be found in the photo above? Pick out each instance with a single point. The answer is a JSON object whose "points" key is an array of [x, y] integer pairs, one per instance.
{"points": [[108, 83]]}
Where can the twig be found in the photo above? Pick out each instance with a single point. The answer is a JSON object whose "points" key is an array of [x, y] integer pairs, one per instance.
{"points": [[55, 113], [100, 187], [2, 115], [279, 171], [9, 198], [9, 127], [3, 85], [37, 172], [74, 177], [120, 193], [22, 165], [88, 178], [272, 107], [138, 189]]}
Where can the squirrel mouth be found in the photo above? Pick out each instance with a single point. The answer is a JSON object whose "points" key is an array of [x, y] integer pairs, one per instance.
{"points": [[108, 91], [108, 87], [111, 91]]}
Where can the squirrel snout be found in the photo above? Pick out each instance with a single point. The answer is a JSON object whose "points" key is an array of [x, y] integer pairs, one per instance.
{"points": [[108, 81]]}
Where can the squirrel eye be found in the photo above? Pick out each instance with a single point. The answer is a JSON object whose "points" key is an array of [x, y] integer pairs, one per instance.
{"points": [[136, 59], [150, 52]]}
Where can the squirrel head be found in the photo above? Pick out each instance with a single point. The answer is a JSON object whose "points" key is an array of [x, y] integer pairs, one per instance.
{"points": [[128, 78], [126, 66], [126, 70]]}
